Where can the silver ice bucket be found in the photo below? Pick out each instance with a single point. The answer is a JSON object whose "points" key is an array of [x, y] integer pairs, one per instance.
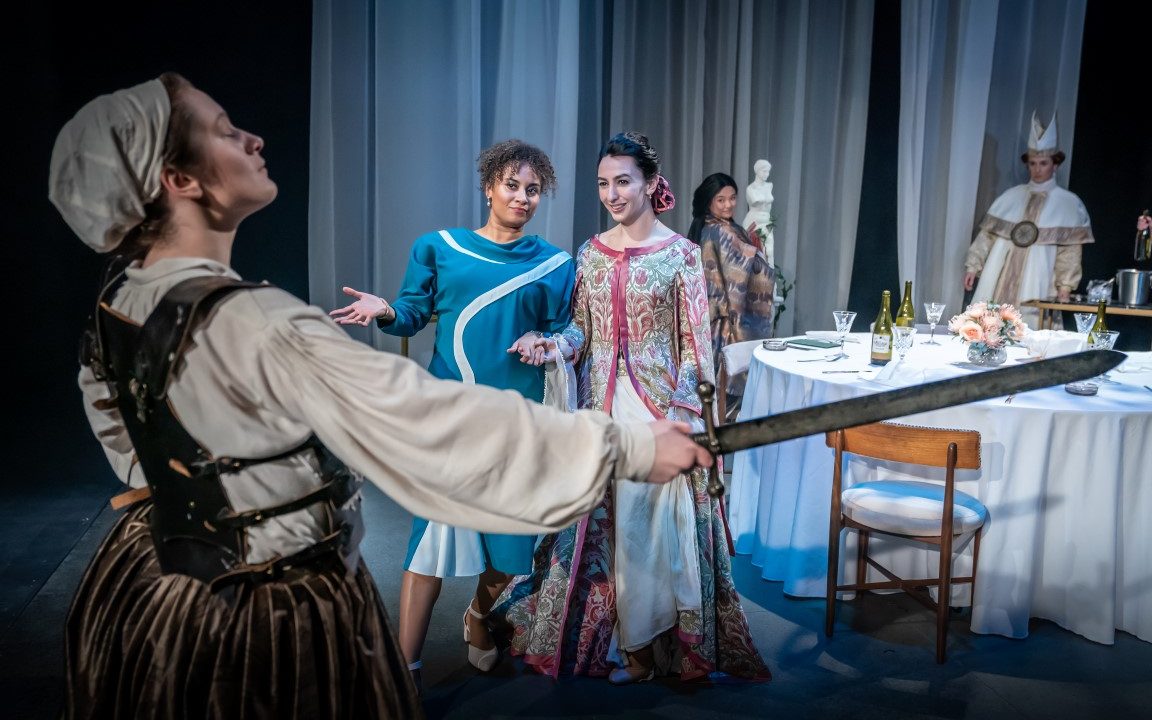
{"points": [[1132, 287]]}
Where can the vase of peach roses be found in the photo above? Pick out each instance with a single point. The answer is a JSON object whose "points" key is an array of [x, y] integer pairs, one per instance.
{"points": [[988, 328]]}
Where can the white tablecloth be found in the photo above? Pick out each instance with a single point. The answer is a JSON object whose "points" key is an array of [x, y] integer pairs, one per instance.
{"points": [[1067, 481]]}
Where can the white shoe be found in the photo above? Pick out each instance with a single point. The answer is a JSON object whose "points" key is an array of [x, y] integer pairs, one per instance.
{"points": [[631, 674], [482, 660]]}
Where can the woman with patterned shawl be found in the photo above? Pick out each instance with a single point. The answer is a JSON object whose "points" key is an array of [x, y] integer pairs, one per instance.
{"points": [[741, 281], [644, 582]]}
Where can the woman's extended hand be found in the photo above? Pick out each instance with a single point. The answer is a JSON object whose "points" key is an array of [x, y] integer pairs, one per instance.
{"points": [[534, 348], [969, 280], [367, 308]]}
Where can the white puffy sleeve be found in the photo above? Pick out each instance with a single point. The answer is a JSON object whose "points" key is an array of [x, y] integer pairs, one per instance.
{"points": [[460, 454]]}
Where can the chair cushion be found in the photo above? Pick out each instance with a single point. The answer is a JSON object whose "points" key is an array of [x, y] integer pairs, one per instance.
{"points": [[910, 508]]}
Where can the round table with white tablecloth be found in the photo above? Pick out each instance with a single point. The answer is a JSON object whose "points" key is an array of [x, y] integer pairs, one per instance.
{"points": [[1067, 481]]}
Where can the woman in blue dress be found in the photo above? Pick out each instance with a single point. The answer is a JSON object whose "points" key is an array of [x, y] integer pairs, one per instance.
{"points": [[490, 289]]}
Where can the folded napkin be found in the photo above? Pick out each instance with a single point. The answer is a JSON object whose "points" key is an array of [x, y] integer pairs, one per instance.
{"points": [[1051, 343], [1137, 362], [901, 374], [828, 335]]}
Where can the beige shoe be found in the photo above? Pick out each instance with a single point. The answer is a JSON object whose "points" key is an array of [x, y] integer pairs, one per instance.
{"points": [[631, 674], [482, 660]]}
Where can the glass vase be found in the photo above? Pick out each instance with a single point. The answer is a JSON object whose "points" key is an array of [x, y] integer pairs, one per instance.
{"points": [[981, 354]]}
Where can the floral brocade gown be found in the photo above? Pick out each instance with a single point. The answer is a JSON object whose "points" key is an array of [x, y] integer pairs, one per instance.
{"points": [[640, 316]]}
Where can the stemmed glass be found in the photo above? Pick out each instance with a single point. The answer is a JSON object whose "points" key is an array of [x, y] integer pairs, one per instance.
{"points": [[1104, 340], [902, 339], [933, 310], [844, 320], [1084, 322]]}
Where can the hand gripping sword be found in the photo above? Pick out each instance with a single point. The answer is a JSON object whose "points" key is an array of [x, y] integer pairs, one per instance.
{"points": [[893, 403]]}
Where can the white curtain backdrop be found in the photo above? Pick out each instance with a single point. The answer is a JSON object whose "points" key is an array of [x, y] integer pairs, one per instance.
{"points": [[718, 85], [406, 95], [972, 72]]}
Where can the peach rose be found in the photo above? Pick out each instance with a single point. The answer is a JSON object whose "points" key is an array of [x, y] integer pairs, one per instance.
{"points": [[971, 331]]}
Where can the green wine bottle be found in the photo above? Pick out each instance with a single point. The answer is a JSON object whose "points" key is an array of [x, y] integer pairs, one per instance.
{"points": [[1099, 326], [882, 332], [906, 313]]}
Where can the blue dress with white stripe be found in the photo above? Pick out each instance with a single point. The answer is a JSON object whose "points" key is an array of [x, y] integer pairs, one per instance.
{"points": [[485, 295]]}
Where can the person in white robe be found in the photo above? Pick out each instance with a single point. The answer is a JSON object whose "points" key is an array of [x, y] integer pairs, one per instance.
{"points": [[1030, 241]]}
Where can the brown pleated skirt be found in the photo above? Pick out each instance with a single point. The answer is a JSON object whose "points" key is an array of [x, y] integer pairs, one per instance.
{"points": [[140, 644]]}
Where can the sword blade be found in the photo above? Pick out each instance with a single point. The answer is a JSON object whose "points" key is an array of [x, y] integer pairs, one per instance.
{"points": [[912, 400]]}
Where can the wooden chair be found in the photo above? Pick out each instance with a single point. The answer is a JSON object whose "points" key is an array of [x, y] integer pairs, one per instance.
{"points": [[921, 511]]}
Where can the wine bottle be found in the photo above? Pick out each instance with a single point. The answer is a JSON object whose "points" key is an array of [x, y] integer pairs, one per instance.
{"points": [[906, 313], [1099, 326], [882, 332], [1143, 249]]}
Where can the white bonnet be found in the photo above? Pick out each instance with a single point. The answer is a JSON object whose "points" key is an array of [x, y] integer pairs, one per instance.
{"points": [[106, 163]]}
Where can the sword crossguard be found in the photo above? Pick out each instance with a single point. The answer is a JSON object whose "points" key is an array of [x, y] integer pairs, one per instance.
{"points": [[707, 393]]}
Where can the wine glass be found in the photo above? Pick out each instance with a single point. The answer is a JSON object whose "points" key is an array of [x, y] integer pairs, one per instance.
{"points": [[844, 320], [933, 310], [1102, 340], [902, 339], [1084, 321]]}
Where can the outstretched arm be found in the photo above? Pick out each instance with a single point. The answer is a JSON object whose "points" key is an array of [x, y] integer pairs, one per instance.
{"points": [[365, 309], [461, 454]]}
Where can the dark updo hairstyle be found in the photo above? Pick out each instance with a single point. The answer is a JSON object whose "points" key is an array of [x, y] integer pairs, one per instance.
{"points": [[180, 153], [496, 161], [635, 145], [702, 201]]}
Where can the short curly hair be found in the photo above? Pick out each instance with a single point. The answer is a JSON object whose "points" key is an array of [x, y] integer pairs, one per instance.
{"points": [[502, 158]]}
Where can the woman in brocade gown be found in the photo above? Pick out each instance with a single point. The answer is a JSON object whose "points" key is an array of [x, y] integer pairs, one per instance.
{"points": [[741, 281], [644, 582]]}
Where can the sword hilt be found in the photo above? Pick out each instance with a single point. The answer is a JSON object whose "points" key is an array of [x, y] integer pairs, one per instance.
{"points": [[707, 393]]}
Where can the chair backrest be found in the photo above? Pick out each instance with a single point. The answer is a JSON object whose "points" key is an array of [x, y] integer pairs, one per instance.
{"points": [[738, 356], [909, 444], [404, 340]]}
